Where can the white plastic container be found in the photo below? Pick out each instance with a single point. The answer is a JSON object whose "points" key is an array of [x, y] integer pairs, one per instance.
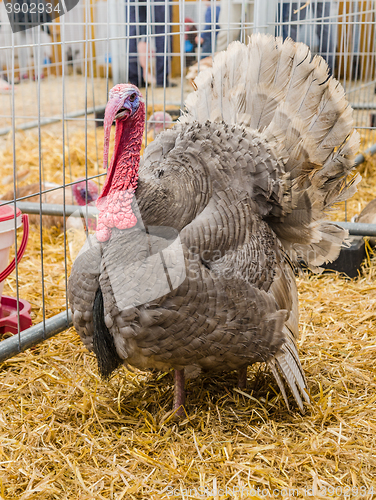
{"points": [[7, 236]]}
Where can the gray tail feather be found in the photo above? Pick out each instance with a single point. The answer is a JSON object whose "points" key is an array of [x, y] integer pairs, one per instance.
{"points": [[287, 362]]}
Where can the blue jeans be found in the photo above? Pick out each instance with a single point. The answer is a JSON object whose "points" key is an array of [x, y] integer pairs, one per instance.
{"points": [[137, 30], [322, 27]]}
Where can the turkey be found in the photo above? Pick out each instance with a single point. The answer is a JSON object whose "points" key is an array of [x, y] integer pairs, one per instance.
{"points": [[206, 62], [191, 267], [367, 216], [158, 122], [81, 193]]}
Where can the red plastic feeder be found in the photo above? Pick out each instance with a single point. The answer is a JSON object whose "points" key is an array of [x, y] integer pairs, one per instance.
{"points": [[8, 305], [8, 315]]}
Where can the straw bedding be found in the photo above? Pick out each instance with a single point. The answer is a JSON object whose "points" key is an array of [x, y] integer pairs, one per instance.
{"points": [[66, 434]]}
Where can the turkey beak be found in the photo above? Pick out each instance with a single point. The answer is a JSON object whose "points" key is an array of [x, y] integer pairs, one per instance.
{"points": [[115, 109], [123, 112]]}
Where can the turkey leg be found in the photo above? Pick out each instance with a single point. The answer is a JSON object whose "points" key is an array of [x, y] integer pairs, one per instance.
{"points": [[179, 392], [242, 378]]}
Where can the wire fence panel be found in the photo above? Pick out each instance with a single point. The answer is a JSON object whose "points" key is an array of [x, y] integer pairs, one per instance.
{"points": [[54, 83]]}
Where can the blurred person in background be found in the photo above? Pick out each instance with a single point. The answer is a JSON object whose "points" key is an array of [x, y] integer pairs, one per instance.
{"points": [[159, 20], [314, 23], [234, 22], [207, 33]]}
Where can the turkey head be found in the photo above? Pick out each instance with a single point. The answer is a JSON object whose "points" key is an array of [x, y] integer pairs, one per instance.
{"points": [[127, 107]]}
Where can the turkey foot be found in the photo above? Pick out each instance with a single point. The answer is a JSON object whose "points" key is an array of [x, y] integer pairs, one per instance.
{"points": [[179, 392], [242, 378]]}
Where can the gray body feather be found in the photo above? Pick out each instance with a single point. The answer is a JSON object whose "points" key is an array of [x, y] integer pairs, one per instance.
{"points": [[245, 178]]}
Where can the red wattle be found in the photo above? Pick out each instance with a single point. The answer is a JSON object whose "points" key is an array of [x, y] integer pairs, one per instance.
{"points": [[109, 117]]}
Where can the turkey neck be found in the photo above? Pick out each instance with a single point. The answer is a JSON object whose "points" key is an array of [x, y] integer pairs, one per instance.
{"points": [[115, 200], [123, 171]]}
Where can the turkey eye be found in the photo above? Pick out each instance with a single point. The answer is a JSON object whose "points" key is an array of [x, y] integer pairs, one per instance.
{"points": [[132, 97]]}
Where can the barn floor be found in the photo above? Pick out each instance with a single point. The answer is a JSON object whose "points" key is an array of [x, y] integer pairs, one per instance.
{"points": [[66, 434]]}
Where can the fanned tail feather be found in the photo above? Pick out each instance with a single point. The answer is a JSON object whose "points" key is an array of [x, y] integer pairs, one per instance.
{"points": [[287, 362], [278, 89]]}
